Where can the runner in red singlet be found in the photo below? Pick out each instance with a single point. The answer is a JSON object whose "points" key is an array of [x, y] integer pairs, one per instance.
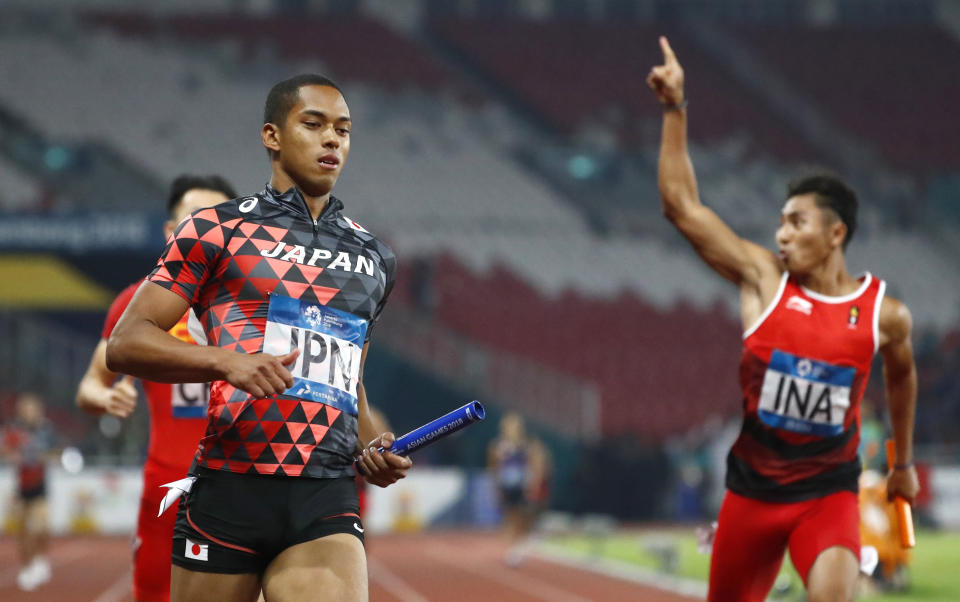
{"points": [[178, 412], [810, 333]]}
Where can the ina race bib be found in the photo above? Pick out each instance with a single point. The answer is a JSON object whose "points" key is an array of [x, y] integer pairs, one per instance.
{"points": [[330, 343], [804, 395]]}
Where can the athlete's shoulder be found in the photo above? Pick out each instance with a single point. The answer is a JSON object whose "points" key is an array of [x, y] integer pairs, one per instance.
{"points": [[216, 224], [354, 228], [895, 320]]}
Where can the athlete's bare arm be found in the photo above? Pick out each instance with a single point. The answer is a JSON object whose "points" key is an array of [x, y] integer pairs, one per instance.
{"points": [[101, 390], [755, 269], [900, 380], [380, 469], [140, 345]]}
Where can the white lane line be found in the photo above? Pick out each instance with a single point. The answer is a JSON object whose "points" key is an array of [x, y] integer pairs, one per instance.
{"points": [[392, 583], [532, 586], [118, 590]]}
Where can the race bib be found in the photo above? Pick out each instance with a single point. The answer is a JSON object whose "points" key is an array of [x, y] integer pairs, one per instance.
{"points": [[804, 395], [330, 343], [189, 400]]}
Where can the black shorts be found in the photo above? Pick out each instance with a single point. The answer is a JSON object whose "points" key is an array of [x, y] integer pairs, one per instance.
{"points": [[513, 497], [33, 493], [238, 523]]}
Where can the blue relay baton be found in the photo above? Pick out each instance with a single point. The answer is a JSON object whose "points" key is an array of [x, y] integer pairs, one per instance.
{"points": [[437, 429]]}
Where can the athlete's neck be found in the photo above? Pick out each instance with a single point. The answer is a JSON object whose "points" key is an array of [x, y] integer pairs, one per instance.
{"points": [[830, 278], [315, 204]]}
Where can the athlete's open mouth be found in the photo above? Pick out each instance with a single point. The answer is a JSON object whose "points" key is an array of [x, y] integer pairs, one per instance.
{"points": [[329, 161]]}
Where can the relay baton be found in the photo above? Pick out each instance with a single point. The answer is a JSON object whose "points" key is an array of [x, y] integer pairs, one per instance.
{"points": [[433, 431], [904, 514]]}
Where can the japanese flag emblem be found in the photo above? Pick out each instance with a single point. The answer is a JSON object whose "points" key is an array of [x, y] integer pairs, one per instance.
{"points": [[196, 551]]}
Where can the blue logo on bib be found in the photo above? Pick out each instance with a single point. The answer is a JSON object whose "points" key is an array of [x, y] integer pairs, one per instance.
{"points": [[330, 343]]}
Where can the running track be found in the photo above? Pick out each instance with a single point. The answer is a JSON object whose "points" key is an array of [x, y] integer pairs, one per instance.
{"points": [[403, 568]]}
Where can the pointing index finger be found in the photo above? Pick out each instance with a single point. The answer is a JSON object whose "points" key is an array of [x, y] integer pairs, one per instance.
{"points": [[668, 56]]}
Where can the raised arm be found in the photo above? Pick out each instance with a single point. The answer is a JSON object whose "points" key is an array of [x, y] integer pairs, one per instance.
{"points": [[900, 381], [734, 258]]}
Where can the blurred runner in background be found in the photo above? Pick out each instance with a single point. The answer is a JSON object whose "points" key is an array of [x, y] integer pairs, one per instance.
{"points": [[178, 412], [28, 443]]}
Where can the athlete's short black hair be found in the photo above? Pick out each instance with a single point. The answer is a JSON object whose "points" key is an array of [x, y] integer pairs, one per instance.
{"points": [[284, 95], [831, 193], [184, 183]]}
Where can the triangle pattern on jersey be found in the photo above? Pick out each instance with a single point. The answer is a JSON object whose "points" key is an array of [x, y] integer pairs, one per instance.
{"points": [[271, 428], [247, 228], [319, 432], [267, 468], [286, 407], [281, 436], [305, 451], [255, 449], [267, 456], [225, 418], [332, 415], [240, 454], [306, 437], [280, 450], [293, 457], [310, 409], [241, 467], [298, 415], [256, 436], [295, 429], [267, 411]]}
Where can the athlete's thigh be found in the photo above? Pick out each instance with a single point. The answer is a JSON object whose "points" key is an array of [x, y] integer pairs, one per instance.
{"points": [[335, 565], [196, 586], [747, 549], [35, 515], [825, 545]]}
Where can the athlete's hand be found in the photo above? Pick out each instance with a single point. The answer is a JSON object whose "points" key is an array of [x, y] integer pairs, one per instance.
{"points": [[903, 483], [383, 468], [259, 374], [666, 80], [122, 397]]}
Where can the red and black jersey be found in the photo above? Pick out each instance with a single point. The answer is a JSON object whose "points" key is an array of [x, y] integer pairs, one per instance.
{"points": [[803, 371], [231, 262]]}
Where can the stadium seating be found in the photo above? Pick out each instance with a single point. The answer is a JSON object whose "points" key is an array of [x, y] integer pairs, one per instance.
{"points": [[17, 189], [574, 76], [883, 99]]}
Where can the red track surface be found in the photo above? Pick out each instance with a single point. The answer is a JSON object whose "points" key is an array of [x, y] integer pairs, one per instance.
{"points": [[412, 568]]}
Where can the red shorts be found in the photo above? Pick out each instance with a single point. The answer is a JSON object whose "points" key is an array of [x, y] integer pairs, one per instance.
{"points": [[752, 536], [154, 547]]}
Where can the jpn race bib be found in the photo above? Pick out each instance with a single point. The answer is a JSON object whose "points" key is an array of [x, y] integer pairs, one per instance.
{"points": [[330, 343], [189, 400], [804, 395]]}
